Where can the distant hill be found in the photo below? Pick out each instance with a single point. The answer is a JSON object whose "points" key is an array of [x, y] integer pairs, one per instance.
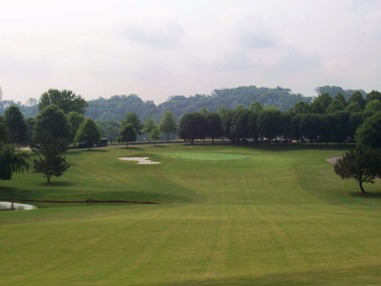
{"points": [[116, 107]]}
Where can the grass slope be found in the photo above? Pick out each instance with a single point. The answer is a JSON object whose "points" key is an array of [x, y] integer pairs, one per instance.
{"points": [[227, 216]]}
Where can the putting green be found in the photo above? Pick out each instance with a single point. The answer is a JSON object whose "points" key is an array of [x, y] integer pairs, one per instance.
{"points": [[207, 156]]}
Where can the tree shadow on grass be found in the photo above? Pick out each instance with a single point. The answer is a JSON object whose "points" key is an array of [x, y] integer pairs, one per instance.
{"points": [[132, 148], [56, 184], [368, 195], [160, 146], [85, 150], [10, 193]]}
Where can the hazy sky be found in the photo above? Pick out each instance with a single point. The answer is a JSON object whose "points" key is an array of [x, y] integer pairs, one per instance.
{"points": [[159, 48]]}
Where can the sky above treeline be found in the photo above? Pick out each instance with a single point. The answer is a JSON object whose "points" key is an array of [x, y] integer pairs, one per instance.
{"points": [[160, 48]]}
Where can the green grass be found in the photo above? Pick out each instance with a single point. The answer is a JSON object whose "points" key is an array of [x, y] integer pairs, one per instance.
{"points": [[228, 215]]}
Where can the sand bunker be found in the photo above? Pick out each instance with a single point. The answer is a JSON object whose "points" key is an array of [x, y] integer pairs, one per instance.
{"points": [[15, 206], [140, 160], [333, 160]]}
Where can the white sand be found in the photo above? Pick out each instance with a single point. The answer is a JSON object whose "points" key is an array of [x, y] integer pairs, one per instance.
{"points": [[140, 160], [333, 160]]}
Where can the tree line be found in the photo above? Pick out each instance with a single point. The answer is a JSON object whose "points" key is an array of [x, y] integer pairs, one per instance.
{"points": [[327, 119], [117, 106], [61, 122]]}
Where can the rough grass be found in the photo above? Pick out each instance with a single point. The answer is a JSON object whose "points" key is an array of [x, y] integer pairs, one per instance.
{"points": [[253, 216]]}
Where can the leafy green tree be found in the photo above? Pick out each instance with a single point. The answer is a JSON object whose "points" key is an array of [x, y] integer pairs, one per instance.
{"points": [[327, 130], [112, 133], [66, 100], [226, 122], [335, 105], [213, 129], [133, 119], [357, 97], [295, 132], [353, 106], [286, 118], [310, 126], [128, 133], [256, 107], [52, 128], [51, 163], [373, 106], [30, 123], [16, 126], [321, 103], [239, 125], [362, 164], [12, 162], [168, 123], [341, 98], [301, 107], [374, 94], [356, 119], [51, 136], [75, 120], [149, 126], [269, 123], [88, 133], [369, 132], [192, 126], [341, 126], [155, 133]]}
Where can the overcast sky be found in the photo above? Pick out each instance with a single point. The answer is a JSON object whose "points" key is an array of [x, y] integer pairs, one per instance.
{"points": [[159, 48]]}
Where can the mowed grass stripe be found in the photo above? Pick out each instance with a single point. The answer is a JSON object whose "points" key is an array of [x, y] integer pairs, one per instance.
{"points": [[265, 220]]}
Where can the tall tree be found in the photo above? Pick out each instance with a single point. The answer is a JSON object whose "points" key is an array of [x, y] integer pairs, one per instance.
{"points": [[88, 133], [168, 123], [214, 129], [112, 133], [240, 124], [128, 133], [133, 119], [310, 126], [66, 100], [51, 136], [149, 125], [269, 123], [155, 133], [192, 126], [301, 107], [369, 132], [342, 126], [12, 162], [17, 129], [321, 103], [374, 94], [75, 120], [373, 106], [357, 97]]}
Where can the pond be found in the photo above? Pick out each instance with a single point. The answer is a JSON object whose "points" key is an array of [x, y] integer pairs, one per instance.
{"points": [[15, 206]]}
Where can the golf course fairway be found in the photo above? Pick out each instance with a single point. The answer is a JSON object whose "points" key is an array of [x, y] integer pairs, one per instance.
{"points": [[207, 215]]}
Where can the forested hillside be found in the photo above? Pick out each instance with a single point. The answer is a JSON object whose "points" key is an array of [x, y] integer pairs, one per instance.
{"points": [[116, 107]]}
